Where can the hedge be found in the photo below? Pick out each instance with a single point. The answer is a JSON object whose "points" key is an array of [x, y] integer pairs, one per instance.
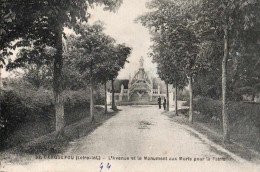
{"points": [[19, 106], [237, 110]]}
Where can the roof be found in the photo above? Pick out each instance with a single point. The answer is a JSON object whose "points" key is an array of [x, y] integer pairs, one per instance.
{"points": [[117, 85]]}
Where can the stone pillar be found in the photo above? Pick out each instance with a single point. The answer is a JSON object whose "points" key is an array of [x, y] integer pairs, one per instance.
{"points": [[151, 79], [129, 87], [128, 94], [159, 92], [109, 96], [129, 82], [122, 89], [151, 98], [121, 93]]}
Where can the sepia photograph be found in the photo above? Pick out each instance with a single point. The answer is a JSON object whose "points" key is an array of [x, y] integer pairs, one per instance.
{"points": [[129, 85]]}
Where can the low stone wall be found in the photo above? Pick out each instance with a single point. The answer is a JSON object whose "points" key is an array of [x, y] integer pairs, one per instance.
{"points": [[136, 103]]}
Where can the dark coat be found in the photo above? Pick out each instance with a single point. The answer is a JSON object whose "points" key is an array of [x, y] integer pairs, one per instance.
{"points": [[159, 100]]}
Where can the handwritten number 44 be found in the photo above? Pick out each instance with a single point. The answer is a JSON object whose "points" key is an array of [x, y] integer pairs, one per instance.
{"points": [[101, 166]]}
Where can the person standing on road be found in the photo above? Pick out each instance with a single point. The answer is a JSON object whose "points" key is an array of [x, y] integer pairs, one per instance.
{"points": [[164, 103], [159, 102]]}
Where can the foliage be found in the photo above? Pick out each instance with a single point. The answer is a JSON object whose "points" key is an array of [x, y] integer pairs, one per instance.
{"points": [[22, 103], [210, 109], [118, 59], [167, 66], [90, 49], [6, 19], [172, 24], [20, 106], [183, 95], [35, 20], [177, 48], [96, 54], [40, 23], [241, 18], [244, 119]]}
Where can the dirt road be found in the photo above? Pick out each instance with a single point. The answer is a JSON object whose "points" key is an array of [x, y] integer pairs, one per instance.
{"points": [[142, 130], [142, 138]]}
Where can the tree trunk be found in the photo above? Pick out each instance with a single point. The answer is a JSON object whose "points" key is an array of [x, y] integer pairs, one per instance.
{"points": [[253, 97], [191, 100], [113, 95], [91, 102], [58, 81], [167, 97], [176, 100], [0, 74], [105, 86], [226, 130], [91, 94]]}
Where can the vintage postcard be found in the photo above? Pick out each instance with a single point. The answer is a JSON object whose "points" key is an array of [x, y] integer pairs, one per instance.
{"points": [[130, 86]]}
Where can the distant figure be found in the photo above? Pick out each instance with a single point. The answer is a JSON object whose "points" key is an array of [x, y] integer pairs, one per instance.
{"points": [[164, 103], [159, 102]]}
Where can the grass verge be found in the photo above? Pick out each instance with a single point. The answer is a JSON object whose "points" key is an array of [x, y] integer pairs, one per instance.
{"points": [[214, 133], [49, 144]]}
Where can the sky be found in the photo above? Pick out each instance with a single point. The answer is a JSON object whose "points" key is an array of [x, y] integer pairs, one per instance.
{"points": [[122, 27]]}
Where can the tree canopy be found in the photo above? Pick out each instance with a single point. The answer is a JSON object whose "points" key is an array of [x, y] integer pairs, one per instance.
{"points": [[189, 37]]}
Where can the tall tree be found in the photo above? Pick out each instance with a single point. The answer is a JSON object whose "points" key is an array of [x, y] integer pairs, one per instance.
{"points": [[91, 48], [97, 56], [175, 39], [113, 63], [228, 20], [42, 22], [119, 56]]}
